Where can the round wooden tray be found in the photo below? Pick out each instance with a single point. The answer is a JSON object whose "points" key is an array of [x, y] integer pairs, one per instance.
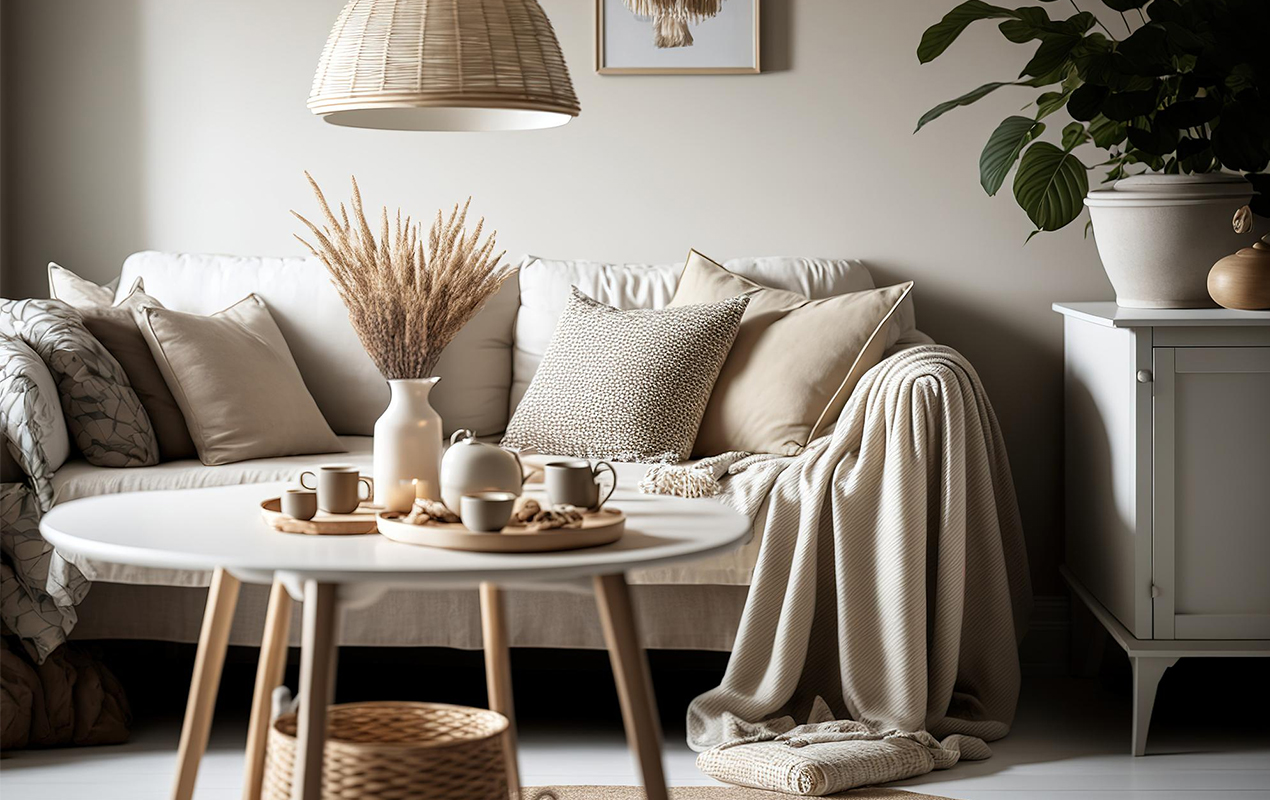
{"points": [[323, 524], [604, 527]]}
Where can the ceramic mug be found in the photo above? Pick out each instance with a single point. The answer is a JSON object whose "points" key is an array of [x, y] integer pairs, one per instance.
{"points": [[299, 503], [576, 483], [486, 512], [338, 487]]}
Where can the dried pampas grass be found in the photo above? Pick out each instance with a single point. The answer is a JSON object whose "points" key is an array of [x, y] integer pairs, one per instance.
{"points": [[406, 299]]}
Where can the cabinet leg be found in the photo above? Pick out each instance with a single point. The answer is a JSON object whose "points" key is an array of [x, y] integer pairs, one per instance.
{"points": [[498, 675], [269, 675], [634, 686], [213, 639], [317, 684], [1146, 679]]}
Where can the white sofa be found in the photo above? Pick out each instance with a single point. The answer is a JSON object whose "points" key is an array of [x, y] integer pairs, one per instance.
{"points": [[484, 373]]}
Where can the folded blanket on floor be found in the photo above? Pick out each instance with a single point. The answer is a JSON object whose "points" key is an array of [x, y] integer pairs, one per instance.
{"points": [[70, 698], [892, 582]]}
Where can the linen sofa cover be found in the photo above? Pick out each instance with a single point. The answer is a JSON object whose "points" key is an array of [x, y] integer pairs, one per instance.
{"points": [[694, 605], [475, 369]]}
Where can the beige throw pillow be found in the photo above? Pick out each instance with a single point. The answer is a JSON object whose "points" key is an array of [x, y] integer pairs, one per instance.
{"points": [[80, 292], [236, 383], [794, 362]]}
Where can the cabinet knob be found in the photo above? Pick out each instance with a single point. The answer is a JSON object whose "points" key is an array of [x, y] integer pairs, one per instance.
{"points": [[1144, 376]]}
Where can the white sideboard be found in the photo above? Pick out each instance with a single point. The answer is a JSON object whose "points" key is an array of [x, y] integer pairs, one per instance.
{"points": [[1167, 482]]}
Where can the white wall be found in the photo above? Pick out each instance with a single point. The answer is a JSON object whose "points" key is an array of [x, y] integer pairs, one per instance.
{"points": [[181, 125]]}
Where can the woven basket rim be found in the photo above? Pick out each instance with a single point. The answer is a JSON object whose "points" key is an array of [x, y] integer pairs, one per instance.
{"points": [[398, 746]]}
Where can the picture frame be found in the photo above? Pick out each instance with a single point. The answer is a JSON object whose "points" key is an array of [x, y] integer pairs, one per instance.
{"points": [[623, 44]]}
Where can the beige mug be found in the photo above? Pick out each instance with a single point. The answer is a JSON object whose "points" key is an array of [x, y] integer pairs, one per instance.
{"points": [[338, 488], [576, 483], [299, 503]]}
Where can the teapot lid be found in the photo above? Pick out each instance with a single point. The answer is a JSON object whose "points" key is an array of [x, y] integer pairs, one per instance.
{"points": [[468, 435]]}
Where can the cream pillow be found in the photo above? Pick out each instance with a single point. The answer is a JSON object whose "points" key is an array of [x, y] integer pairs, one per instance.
{"points": [[793, 364], [237, 385]]}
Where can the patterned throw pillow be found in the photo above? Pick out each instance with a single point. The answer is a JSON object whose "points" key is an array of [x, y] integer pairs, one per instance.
{"points": [[103, 414], [30, 417], [628, 385]]}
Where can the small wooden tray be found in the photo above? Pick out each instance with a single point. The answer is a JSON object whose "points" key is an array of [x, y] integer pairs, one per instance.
{"points": [[323, 524], [603, 527]]}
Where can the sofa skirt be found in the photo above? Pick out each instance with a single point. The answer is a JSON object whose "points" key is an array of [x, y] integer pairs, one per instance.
{"points": [[671, 617]]}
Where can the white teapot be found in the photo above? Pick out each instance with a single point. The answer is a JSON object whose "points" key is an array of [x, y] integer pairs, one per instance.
{"points": [[471, 466]]}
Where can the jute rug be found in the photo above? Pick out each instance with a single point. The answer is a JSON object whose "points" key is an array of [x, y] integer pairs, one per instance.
{"points": [[704, 793]]}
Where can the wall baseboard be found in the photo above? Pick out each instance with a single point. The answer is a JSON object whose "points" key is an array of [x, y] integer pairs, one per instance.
{"points": [[1045, 648]]}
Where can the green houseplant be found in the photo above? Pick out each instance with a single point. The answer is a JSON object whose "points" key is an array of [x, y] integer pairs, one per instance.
{"points": [[1167, 86]]}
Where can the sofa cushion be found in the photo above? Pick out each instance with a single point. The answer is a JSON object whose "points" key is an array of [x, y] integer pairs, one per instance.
{"points": [[68, 287], [236, 383], [115, 326], [77, 478], [794, 363], [30, 418], [545, 284], [103, 414], [627, 384], [475, 369]]}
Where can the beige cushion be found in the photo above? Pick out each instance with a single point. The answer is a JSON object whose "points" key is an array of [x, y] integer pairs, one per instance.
{"points": [[236, 383], [80, 292], [116, 328], [793, 364]]}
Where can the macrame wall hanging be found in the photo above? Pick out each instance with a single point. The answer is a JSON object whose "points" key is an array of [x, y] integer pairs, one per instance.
{"points": [[671, 18]]}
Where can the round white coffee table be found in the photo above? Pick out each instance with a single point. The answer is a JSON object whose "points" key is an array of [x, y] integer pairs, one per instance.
{"points": [[220, 529]]}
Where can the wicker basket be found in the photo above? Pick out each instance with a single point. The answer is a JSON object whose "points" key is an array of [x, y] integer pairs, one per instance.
{"points": [[398, 751]]}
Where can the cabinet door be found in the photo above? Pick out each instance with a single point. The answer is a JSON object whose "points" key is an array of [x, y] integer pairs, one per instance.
{"points": [[1211, 501]]}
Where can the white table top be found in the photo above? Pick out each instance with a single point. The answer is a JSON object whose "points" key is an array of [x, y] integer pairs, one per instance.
{"points": [[221, 527], [1107, 313]]}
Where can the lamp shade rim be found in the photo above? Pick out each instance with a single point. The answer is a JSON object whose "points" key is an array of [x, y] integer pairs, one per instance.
{"points": [[445, 118]]}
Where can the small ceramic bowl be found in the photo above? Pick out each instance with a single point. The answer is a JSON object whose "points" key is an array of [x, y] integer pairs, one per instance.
{"points": [[486, 512], [300, 503]]}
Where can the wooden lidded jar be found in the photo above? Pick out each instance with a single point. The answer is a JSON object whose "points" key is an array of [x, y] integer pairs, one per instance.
{"points": [[1242, 280]]}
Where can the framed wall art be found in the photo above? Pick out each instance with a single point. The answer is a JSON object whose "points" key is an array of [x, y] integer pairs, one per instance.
{"points": [[676, 37]]}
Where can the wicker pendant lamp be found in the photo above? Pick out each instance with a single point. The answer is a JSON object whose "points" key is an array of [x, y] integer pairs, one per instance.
{"points": [[443, 65]]}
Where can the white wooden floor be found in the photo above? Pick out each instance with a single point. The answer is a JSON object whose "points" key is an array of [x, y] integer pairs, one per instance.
{"points": [[1070, 740]]}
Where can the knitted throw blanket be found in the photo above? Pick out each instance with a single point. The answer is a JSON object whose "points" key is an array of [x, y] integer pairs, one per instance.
{"points": [[892, 582]]}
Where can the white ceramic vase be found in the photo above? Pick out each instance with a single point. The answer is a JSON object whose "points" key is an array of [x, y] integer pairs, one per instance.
{"points": [[1159, 235], [407, 446]]}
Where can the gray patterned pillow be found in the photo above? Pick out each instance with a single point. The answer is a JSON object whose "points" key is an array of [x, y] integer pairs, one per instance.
{"points": [[627, 385], [103, 414], [30, 417]]}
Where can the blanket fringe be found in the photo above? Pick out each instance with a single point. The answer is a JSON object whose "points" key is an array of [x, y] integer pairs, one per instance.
{"points": [[680, 481]]}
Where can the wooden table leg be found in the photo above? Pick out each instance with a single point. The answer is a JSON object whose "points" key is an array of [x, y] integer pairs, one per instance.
{"points": [[213, 639], [269, 674], [498, 675], [317, 684], [634, 686]]}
